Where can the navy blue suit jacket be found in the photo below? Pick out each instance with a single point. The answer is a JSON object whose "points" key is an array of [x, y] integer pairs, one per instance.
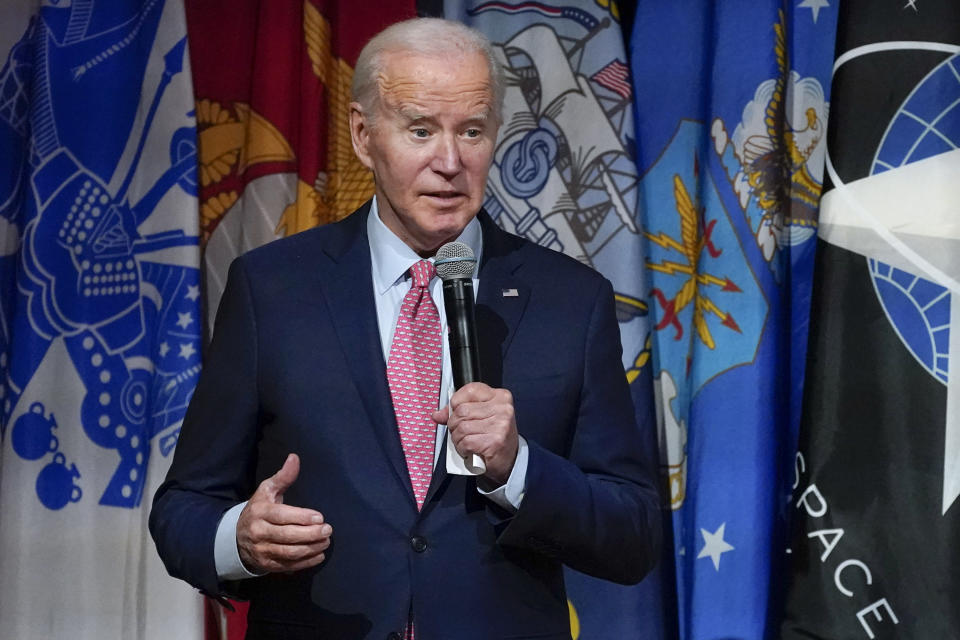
{"points": [[295, 365]]}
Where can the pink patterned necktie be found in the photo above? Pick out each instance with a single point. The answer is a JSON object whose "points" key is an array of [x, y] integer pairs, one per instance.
{"points": [[413, 373]]}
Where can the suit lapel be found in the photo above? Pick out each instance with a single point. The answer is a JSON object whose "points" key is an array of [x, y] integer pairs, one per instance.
{"points": [[501, 300], [348, 287]]}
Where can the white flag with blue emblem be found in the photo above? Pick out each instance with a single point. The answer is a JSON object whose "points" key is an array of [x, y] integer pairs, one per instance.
{"points": [[564, 177], [99, 312]]}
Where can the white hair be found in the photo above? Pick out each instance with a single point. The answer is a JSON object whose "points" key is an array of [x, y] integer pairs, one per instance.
{"points": [[432, 37]]}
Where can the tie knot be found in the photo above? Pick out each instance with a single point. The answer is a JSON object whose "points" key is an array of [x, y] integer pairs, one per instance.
{"points": [[422, 272]]}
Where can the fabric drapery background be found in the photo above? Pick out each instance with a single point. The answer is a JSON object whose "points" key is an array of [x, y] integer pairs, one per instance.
{"points": [[100, 312], [877, 472], [679, 148]]}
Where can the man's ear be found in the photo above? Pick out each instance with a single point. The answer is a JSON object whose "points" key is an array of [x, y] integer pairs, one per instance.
{"points": [[360, 134]]}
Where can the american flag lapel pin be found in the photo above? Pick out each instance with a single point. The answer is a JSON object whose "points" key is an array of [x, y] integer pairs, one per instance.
{"points": [[509, 293]]}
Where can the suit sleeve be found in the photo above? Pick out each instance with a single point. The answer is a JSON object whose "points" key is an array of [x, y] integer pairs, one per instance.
{"points": [[597, 510], [214, 463]]}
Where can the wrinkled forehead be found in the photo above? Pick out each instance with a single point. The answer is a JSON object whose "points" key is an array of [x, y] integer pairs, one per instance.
{"points": [[408, 78]]}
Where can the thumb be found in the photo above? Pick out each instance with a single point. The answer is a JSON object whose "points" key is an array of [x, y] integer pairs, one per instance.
{"points": [[277, 484], [441, 416]]}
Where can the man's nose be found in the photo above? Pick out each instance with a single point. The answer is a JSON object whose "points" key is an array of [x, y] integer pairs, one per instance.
{"points": [[446, 157]]}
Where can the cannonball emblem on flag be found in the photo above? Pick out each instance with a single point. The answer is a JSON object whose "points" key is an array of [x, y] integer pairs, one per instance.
{"points": [[107, 334], [33, 433]]}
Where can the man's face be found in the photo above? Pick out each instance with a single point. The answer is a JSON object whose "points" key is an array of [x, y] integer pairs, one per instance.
{"points": [[429, 145]]}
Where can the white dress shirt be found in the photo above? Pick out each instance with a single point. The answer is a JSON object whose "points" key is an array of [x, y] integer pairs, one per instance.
{"points": [[390, 260]]}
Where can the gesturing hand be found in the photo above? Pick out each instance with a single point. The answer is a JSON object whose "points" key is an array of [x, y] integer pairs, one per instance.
{"points": [[481, 421], [272, 536]]}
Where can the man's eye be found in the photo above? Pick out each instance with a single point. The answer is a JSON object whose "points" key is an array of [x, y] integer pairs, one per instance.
{"points": [[473, 133], [420, 132]]}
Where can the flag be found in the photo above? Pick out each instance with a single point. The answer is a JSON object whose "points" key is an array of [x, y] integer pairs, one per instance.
{"points": [[99, 311], [272, 82], [731, 103], [563, 176], [877, 476]]}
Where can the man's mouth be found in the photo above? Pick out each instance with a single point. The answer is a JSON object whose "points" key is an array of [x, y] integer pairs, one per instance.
{"points": [[444, 195]]}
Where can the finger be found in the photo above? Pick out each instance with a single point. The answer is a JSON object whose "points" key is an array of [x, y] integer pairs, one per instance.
{"points": [[486, 402], [484, 444], [482, 419], [457, 437], [294, 534], [481, 443], [474, 411], [472, 392], [284, 514], [290, 557], [276, 485], [264, 552], [470, 445], [441, 416], [262, 546], [463, 427], [287, 553]]}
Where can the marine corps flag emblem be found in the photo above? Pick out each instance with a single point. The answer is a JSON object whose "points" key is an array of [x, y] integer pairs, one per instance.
{"points": [[877, 477]]}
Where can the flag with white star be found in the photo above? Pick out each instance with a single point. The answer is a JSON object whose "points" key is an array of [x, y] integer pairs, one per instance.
{"points": [[731, 105], [876, 503]]}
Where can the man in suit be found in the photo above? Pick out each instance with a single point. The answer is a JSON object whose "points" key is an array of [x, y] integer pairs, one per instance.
{"points": [[295, 481]]}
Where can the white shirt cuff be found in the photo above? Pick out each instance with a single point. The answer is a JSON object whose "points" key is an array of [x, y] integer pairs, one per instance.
{"points": [[510, 495], [225, 552]]}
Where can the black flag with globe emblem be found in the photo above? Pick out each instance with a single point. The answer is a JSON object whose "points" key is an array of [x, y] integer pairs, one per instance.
{"points": [[875, 501]]}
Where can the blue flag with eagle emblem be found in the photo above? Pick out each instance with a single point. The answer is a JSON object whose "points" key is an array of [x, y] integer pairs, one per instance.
{"points": [[564, 177], [731, 110], [99, 312]]}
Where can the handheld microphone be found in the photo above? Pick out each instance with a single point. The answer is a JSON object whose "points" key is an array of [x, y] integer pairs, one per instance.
{"points": [[455, 264]]}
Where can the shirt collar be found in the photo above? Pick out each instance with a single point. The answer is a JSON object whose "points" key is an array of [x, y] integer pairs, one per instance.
{"points": [[391, 258]]}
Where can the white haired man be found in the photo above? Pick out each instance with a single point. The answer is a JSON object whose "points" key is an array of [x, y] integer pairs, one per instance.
{"points": [[307, 482]]}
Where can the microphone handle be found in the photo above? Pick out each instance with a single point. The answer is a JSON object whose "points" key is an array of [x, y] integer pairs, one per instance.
{"points": [[464, 351]]}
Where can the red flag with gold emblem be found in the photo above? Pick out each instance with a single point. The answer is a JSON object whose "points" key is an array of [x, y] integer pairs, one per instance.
{"points": [[272, 85]]}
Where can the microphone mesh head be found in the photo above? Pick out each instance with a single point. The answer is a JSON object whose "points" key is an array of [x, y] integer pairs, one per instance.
{"points": [[454, 260]]}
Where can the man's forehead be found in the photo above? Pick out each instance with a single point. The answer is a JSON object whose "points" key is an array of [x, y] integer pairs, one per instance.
{"points": [[414, 86], [466, 69]]}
